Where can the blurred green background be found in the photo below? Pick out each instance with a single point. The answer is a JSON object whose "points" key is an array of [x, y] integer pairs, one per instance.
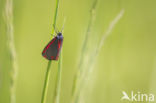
{"points": [[127, 61]]}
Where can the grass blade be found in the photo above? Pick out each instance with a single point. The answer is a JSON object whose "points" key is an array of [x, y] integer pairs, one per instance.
{"points": [[11, 46], [46, 82], [58, 82], [55, 16], [92, 59], [44, 93], [83, 50]]}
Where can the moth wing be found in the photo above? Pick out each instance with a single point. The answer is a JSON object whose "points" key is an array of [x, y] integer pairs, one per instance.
{"points": [[59, 47], [51, 50]]}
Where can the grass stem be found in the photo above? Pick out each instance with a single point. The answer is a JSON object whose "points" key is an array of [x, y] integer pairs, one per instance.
{"points": [[44, 93], [11, 47], [83, 50], [58, 82], [95, 53], [46, 82], [55, 17]]}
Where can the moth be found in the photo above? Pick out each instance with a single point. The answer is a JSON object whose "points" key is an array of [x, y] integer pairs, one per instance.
{"points": [[53, 48]]}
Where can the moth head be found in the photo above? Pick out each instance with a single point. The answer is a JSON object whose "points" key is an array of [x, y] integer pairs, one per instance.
{"points": [[59, 35]]}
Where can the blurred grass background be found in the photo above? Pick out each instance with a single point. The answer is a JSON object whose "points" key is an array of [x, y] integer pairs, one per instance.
{"points": [[126, 62]]}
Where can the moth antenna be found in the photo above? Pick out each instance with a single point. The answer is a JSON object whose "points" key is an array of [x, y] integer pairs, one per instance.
{"points": [[56, 30], [63, 24]]}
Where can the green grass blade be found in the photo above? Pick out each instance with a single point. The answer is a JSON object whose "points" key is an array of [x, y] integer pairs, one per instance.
{"points": [[55, 16], [79, 71], [49, 63], [58, 82], [95, 53], [11, 48], [46, 82]]}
